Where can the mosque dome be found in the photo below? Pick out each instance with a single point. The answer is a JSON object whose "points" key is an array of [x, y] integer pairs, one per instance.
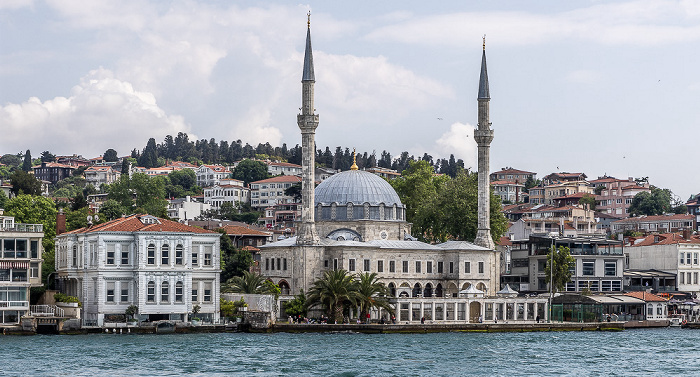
{"points": [[357, 195], [356, 187]]}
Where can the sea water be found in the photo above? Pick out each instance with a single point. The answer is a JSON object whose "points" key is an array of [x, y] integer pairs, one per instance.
{"points": [[632, 352]]}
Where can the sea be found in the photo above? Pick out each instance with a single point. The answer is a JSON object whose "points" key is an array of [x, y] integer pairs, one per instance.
{"points": [[643, 352]]}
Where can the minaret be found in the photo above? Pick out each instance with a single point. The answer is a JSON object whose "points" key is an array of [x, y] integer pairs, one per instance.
{"points": [[483, 136], [307, 121]]}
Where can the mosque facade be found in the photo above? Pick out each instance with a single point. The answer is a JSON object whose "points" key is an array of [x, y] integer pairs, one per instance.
{"points": [[358, 223]]}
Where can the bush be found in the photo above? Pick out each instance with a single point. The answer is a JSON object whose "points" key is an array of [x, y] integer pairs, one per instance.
{"points": [[60, 297]]}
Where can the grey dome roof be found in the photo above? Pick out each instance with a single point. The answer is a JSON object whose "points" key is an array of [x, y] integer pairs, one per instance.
{"points": [[358, 187]]}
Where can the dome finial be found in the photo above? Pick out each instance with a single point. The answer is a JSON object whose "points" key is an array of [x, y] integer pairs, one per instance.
{"points": [[354, 160], [308, 19]]}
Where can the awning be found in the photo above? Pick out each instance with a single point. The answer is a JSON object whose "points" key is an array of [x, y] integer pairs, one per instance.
{"points": [[18, 265]]}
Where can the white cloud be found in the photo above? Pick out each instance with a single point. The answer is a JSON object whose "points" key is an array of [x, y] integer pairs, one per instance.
{"points": [[643, 22], [583, 76], [102, 112], [459, 140], [15, 4]]}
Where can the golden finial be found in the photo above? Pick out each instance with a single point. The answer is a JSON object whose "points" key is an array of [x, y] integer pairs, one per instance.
{"points": [[354, 161], [308, 19], [484, 45]]}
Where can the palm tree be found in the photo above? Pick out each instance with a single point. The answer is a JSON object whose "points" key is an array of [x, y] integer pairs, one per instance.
{"points": [[333, 291], [250, 283], [373, 294]]}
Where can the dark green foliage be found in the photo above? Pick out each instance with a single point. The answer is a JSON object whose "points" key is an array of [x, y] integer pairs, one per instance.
{"points": [[110, 155], [297, 305], [79, 202], [111, 209], [27, 163], [657, 202], [25, 183], [235, 261], [562, 273], [294, 191], [47, 156], [250, 171], [590, 200], [149, 194], [149, 157], [335, 291]]}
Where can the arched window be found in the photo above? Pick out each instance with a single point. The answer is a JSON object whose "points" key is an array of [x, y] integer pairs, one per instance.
{"points": [[179, 252], [151, 293], [165, 292], [428, 291], [438, 290], [151, 254], [178, 291], [392, 289], [417, 290], [284, 287], [165, 254]]}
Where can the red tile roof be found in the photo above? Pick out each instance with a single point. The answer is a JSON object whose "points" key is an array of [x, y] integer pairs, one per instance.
{"points": [[283, 164], [280, 178], [133, 223], [53, 165], [512, 171], [237, 230], [646, 296], [664, 239]]}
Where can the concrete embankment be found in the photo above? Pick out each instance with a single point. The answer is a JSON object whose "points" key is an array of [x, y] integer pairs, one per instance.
{"points": [[431, 328]]}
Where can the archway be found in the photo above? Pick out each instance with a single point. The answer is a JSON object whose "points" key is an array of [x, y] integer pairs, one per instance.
{"points": [[438, 290], [284, 287], [392, 289], [481, 287], [474, 311], [452, 290], [466, 285], [428, 291], [417, 290]]}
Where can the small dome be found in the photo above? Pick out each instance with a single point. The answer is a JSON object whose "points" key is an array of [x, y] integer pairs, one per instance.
{"points": [[356, 187]]}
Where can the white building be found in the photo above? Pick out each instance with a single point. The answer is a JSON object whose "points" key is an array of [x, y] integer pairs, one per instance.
{"points": [[232, 191], [209, 175], [181, 209], [163, 267], [268, 192], [675, 253], [20, 267], [279, 168], [99, 175]]}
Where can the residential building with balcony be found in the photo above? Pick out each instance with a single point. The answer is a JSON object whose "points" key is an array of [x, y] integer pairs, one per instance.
{"points": [[615, 195], [282, 217], [282, 168], [675, 254], [267, 192], [657, 224], [545, 219], [231, 192], [556, 178], [563, 189], [598, 266], [512, 175], [74, 160], [163, 267], [210, 175], [99, 175], [20, 267], [693, 206], [508, 191]]}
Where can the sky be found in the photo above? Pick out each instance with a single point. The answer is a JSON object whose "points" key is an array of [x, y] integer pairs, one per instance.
{"points": [[599, 87]]}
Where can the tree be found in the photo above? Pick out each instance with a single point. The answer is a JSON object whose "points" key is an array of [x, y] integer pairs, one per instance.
{"points": [[562, 272], [27, 163], [415, 187], [372, 294], [530, 182], [111, 209], [656, 202], [3, 199], [235, 261], [30, 209], [335, 291], [297, 305], [250, 171], [294, 191], [250, 283], [110, 155], [79, 202], [131, 311], [149, 157], [588, 199], [47, 156], [25, 183], [149, 192]]}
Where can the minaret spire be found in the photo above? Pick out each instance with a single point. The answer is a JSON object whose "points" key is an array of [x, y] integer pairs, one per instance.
{"points": [[483, 136], [307, 122]]}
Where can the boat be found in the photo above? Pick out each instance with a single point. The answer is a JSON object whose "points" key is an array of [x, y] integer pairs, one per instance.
{"points": [[677, 320], [165, 327]]}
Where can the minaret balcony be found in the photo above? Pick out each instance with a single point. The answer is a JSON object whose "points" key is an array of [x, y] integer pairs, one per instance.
{"points": [[483, 137]]}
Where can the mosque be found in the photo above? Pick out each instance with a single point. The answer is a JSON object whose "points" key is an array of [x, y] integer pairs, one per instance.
{"points": [[355, 221]]}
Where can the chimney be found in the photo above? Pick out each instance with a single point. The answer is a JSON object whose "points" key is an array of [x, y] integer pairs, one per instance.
{"points": [[60, 222], [686, 234]]}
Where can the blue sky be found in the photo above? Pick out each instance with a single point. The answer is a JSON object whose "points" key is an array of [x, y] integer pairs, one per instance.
{"points": [[579, 86]]}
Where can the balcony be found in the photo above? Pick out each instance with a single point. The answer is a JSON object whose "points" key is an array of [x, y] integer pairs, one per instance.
{"points": [[23, 228]]}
